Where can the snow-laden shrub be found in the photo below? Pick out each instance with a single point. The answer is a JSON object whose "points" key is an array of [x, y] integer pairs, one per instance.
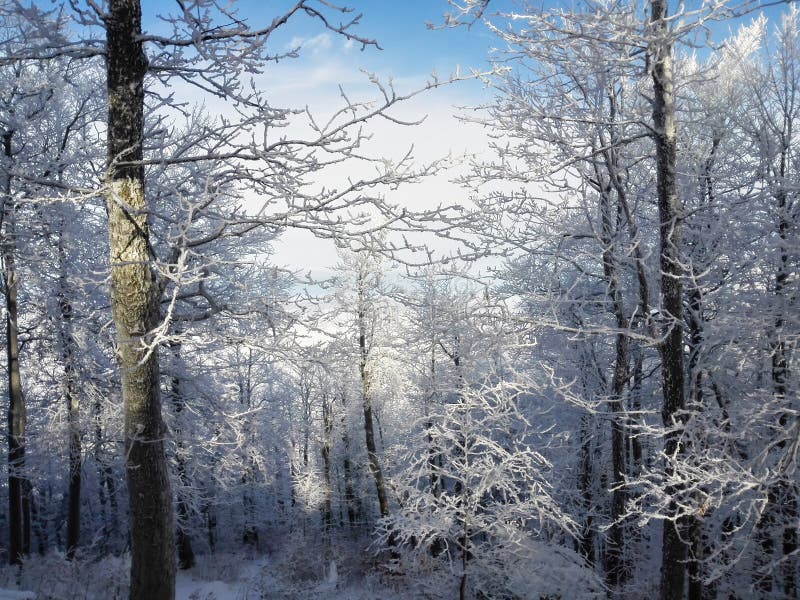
{"points": [[545, 570], [475, 502]]}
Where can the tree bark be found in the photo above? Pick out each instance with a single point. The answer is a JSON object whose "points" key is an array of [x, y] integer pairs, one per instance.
{"points": [[325, 450], [186, 559], [617, 572], [587, 534], [107, 487], [616, 568], [134, 306], [700, 546], [674, 549], [250, 530], [349, 491], [786, 489], [71, 396], [366, 397], [18, 504]]}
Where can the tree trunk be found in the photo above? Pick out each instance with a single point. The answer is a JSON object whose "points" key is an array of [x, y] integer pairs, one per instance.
{"points": [[634, 420], [107, 489], [18, 502], [465, 556], [786, 490], [186, 559], [349, 492], [434, 455], [71, 396], [134, 306], [250, 530], [616, 569], [700, 545], [211, 527], [325, 450], [366, 397], [674, 549], [587, 535]]}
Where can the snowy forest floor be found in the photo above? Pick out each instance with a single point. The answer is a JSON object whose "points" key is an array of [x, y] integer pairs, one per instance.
{"points": [[290, 576], [298, 567]]}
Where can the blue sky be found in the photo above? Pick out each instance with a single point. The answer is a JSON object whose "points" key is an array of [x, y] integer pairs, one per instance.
{"points": [[411, 51], [409, 46], [399, 27]]}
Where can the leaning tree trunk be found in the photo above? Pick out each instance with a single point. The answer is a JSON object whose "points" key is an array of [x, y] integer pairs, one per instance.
{"points": [[135, 311], [18, 507], [674, 549]]}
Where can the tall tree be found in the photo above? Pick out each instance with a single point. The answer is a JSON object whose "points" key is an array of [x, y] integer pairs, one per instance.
{"points": [[367, 280], [19, 506], [674, 549], [134, 301]]}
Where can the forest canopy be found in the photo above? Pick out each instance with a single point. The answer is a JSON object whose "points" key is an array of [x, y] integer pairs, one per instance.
{"points": [[560, 364]]}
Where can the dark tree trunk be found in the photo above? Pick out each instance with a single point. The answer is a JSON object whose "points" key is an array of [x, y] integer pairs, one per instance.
{"points": [[325, 450], [786, 490], [186, 559], [434, 455], [349, 491], [107, 488], [134, 305], [700, 545], [586, 541], [789, 541], [616, 568], [366, 397], [250, 533], [71, 397], [211, 527], [18, 500], [634, 420], [780, 514], [674, 549]]}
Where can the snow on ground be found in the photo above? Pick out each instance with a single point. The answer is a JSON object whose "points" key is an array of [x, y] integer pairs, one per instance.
{"points": [[16, 595], [286, 576], [188, 588], [295, 572], [261, 579]]}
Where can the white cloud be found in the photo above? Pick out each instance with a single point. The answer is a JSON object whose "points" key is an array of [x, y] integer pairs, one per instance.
{"points": [[314, 80], [316, 45], [440, 134]]}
